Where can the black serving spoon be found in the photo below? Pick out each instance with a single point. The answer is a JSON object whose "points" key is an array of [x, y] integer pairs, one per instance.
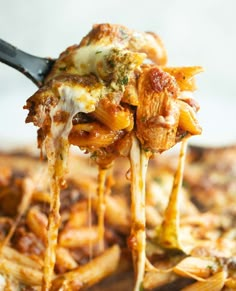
{"points": [[35, 68]]}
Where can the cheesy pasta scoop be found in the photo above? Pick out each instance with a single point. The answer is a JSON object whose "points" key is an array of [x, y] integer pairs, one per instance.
{"points": [[112, 95]]}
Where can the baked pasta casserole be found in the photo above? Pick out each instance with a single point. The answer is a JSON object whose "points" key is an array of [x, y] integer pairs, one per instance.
{"points": [[70, 225]]}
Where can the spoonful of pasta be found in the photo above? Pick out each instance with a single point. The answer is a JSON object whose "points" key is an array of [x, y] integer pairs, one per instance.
{"points": [[37, 68], [111, 95]]}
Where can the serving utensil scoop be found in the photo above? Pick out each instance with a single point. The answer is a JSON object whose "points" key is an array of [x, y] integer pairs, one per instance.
{"points": [[35, 68]]}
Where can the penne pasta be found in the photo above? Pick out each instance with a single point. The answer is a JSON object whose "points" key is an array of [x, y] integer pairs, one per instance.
{"points": [[92, 135], [230, 283], [196, 267], [64, 260], [41, 196], [117, 207], [211, 246], [79, 216], [215, 282], [187, 118], [37, 223], [74, 238], [26, 275], [112, 115], [184, 76], [154, 279], [131, 95], [90, 273], [11, 254]]}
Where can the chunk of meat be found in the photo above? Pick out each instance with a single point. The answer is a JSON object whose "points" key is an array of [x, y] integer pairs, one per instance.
{"points": [[157, 113]]}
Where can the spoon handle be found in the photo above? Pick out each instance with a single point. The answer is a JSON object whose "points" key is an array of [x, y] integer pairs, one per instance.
{"points": [[35, 68]]}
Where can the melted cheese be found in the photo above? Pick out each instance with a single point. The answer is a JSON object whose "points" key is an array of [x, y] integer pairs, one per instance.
{"points": [[139, 163], [101, 207], [170, 233], [91, 59], [105, 62], [110, 63], [72, 101], [2, 282], [77, 99]]}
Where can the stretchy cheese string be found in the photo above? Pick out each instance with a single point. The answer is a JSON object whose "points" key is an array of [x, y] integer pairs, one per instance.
{"points": [[169, 233], [101, 207], [57, 154], [90, 223], [139, 162]]}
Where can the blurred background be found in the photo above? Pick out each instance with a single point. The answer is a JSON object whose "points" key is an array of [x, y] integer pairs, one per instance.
{"points": [[195, 32]]}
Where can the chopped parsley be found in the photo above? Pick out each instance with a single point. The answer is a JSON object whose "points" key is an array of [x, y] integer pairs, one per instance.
{"points": [[210, 268], [143, 119], [111, 63], [62, 68], [124, 80], [158, 180], [94, 155]]}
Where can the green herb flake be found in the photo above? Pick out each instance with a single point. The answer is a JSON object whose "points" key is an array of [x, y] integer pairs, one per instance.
{"points": [[141, 288], [185, 184], [111, 63], [146, 150], [210, 267], [61, 156], [62, 68], [143, 118], [158, 180], [98, 52], [124, 80], [94, 155]]}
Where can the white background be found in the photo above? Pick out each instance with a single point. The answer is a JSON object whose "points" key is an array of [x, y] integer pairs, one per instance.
{"points": [[195, 32]]}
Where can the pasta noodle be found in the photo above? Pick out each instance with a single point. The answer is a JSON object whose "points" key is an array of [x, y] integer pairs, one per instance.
{"points": [[37, 223], [216, 282], [27, 275], [90, 273], [207, 231], [78, 237], [113, 116]]}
